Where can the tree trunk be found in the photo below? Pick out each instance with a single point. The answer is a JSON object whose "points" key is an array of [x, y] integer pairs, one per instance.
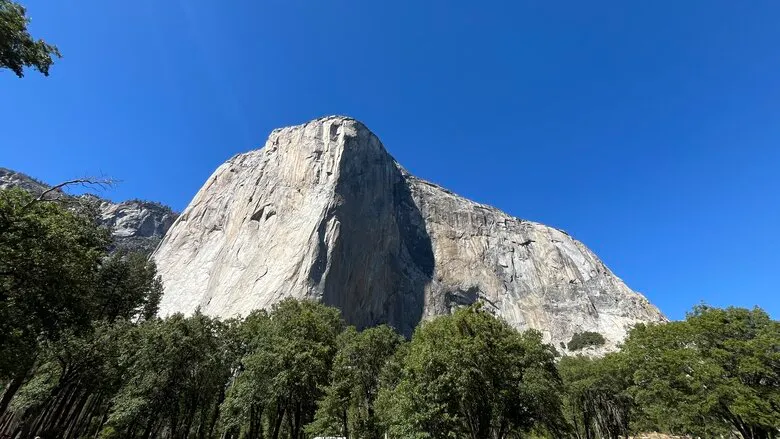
{"points": [[291, 424], [8, 423], [252, 422], [277, 425], [81, 410], [148, 431], [58, 411], [215, 414], [345, 421], [103, 420], [11, 389]]}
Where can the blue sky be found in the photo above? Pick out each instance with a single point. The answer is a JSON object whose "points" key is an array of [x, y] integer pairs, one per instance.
{"points": [[647, 130]]}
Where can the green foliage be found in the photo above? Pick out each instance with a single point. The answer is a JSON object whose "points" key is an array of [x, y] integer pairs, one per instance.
{"points": [[84, 356], [716, 373], [49, 263], [596, 403], [18, 49], [175, 374], [128, 287], [348, 406], [284, 370], [58, 289], [74, 371], [717, 370], [471, 375], [585, 339]]}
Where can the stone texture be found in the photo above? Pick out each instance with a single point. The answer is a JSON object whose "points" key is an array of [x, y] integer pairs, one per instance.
{"points": [[135, 224], [322, 211], [10, 179]]}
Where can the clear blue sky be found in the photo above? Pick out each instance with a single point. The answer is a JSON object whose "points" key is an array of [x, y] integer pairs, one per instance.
{"points": [[648, 130]]}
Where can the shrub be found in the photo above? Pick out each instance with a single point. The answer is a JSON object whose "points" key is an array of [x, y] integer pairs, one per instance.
{"points": [[585, 339]]}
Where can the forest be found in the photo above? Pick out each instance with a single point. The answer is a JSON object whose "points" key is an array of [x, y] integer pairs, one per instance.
{"points": [[84, 355]]}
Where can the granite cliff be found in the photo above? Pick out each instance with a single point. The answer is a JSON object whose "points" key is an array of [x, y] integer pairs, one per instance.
{"points": [[323, 212], [135, 224]]}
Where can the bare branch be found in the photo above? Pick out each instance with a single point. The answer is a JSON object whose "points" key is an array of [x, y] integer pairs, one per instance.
{"points": [[87, 182]]}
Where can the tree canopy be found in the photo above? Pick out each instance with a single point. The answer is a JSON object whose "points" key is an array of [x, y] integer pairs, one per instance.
{"points": [[714, 374], [717, 370], [49, 263], [84, 355], [471, 375], [18, 49], [348, 407], [284, 370], [585, 339], [59, 287], [595, 399]]}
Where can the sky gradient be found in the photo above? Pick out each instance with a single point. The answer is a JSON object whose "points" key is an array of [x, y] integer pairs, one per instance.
{"points": [[650, 131]]}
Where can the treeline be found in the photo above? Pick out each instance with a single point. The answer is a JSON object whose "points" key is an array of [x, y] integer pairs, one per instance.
{"points": [[83, 356], [715, 374]]}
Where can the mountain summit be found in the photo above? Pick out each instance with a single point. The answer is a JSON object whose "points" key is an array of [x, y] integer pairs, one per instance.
{"points": [[323, 212]]}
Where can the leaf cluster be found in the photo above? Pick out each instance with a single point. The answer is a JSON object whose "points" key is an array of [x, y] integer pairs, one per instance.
{"points": [[18, 49], [585, 339], [472, 375]]}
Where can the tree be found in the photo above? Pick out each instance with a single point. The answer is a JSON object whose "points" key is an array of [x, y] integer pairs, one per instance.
{"points": [[18, 49], [127, 287], [248, 394], [348, 407], [175, 374], [78, 372], [472, 375], [596, 402], [585, 339], [717, 370], [49, 261], [57, 279], [285, 371], [76, 377]]}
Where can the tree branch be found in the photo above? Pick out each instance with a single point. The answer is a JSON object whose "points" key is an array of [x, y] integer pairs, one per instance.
{"points": [[88, 182]]}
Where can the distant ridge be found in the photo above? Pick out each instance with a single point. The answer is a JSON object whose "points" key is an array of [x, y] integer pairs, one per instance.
{"points": [[136, 225]]}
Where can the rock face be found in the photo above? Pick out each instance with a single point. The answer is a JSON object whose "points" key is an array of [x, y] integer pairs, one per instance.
{"points": [[135, 224], [12, 179], [324, 212]]}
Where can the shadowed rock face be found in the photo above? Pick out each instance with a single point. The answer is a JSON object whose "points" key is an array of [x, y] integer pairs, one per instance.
{"points": [[379, 258], [135, 225], [323, 212]]}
